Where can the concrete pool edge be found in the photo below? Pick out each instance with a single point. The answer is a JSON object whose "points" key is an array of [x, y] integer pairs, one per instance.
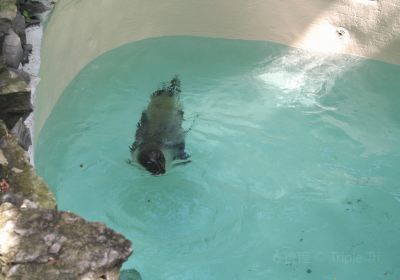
{"points": [[359, 27]]}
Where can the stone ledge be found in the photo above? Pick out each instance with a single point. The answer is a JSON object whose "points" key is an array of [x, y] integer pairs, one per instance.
{"points": [[46, 244]]}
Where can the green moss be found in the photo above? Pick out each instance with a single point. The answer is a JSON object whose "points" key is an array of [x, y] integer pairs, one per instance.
{"points": [[8, 9], [26, 15], [23, 179]]}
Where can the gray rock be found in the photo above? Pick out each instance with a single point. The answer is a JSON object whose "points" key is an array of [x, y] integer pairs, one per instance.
{"points": [[3, 130], [12, 49], [22, 134], [28, 204], [8, 9], [2, 36], [27, 51], [23, 75], [14, 199], [28, 47], [130, 274], [16, 170], [32, 22], [15, 97], [45, 244], [5, 25], [18, 25], [3, 160], [33, 7]]}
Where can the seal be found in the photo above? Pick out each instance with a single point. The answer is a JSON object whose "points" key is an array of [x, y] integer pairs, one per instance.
{"points": [[159, 137]]}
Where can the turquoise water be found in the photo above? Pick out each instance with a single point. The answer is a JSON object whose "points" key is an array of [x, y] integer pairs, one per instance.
{"points": [[295, 161]]}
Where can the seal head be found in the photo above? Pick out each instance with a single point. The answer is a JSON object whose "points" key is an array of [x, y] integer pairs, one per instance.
{"points": [[153, 160]]}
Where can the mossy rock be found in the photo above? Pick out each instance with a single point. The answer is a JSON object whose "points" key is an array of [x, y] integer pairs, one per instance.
{"points": [[21, 176], [8, 9], [15, 97], [47, 244]]}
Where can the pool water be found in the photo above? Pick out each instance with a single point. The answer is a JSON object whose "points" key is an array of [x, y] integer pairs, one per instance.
{"points": [[295, 161]]}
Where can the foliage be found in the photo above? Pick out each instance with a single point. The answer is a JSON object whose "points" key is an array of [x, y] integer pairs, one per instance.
{"points": [[26, 15]]}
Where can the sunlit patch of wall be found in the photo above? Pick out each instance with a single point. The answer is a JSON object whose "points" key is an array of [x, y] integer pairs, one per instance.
{"points": [[368, 28]]}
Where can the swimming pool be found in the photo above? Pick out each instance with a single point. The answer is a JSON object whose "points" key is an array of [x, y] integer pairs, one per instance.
{"points": [[294, 171]]}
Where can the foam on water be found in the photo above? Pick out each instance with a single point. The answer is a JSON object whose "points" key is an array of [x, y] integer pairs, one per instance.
{"points": [[294, 171]]}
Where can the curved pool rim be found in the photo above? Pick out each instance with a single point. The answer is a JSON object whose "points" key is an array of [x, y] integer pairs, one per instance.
{"points": [[363, 28]]}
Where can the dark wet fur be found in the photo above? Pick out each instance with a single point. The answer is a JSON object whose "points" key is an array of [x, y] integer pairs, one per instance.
{"points": [[152, 159], [160, 127]]}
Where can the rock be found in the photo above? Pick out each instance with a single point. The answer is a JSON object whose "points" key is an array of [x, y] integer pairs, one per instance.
{"points": [[3, 130], [130, 274], [32, 22], [8, 9], [15, 97], [23, 74], [18, 25], [22, 134], [2, 36], [3, 160], [27, 51], [28, 204], [12, 49], [33, 7], [46, 244], [24, 184], [14, 199], [28, 47], [16, 170], [5, 26]]}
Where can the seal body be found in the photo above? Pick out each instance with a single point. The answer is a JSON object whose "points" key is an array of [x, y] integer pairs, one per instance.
{"points": [[159, 136]]}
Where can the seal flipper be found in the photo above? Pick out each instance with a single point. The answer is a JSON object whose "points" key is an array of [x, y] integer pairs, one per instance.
{"points": [[180, 152]]}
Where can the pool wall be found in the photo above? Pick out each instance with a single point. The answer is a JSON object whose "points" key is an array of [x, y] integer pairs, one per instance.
{"points": [[81, 30]]}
